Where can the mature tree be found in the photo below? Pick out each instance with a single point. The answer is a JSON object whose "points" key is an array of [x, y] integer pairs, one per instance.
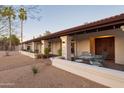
{"points": [[9, 13], [3, 24], [14, 40], [3, 27], [4, 44], [22, 16]]}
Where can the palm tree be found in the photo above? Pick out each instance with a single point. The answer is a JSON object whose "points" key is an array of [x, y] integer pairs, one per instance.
{"points": [[22, 16], [9, 13]]}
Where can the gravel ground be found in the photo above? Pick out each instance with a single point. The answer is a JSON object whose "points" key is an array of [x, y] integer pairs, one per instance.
{"points": [[15, 60], [16, 71]]}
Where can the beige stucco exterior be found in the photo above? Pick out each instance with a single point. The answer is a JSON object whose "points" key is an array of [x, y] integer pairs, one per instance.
{"points": [[83, 43], [38, 46], [44, 45], [119, 47], [33, 46], [55, 46], [66, 47], [24, 46]]}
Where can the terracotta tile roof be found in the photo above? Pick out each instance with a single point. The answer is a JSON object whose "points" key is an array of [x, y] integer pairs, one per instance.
{"points": [[118, 19]]}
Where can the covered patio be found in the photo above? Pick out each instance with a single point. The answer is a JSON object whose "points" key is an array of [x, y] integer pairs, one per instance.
{"points": [[112, 65], [100, 38]]}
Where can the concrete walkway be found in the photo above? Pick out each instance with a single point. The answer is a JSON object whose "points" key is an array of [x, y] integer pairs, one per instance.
{"points": [[16, 71]]}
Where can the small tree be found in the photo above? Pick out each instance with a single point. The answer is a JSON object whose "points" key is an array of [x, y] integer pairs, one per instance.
{"points": [[47, 51], [15, 41]]}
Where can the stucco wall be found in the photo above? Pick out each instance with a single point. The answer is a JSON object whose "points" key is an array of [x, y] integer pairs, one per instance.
{"points": [[66, 47], [55, 47], [83, 40], [39, 47], [119, 47], [32, 55], [83, 43], [24, 46], [44, 45], [33, 46]]}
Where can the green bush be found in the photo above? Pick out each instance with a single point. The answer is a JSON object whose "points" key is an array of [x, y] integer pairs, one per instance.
{"points": [[60, 52], [47, 51], [34, 70]]}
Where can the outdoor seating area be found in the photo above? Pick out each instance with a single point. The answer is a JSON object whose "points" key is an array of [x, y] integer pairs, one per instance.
{"points": [[97, 60], [90, 58]]}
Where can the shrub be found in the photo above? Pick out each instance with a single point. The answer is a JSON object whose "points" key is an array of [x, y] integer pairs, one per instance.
{"points": [[34, 70], [60, 52], [47, 51]]}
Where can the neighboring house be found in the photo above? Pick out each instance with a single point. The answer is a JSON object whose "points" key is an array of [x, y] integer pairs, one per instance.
{"points": [[102, 36]]}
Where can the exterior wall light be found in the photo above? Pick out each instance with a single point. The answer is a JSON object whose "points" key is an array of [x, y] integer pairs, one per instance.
{"points": [[122, 28], [63, 42]]}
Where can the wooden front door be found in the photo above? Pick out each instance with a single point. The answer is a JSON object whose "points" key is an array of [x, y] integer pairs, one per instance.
{"points": [[105, 46], [73, 48]]}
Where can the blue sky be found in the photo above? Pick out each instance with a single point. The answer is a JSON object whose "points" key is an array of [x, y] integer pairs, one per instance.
{"points": [[57, 18]]}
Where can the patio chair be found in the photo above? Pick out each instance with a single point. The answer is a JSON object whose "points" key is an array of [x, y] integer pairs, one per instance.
{"points": [[84, 54], [79, 60], [97, 60]]}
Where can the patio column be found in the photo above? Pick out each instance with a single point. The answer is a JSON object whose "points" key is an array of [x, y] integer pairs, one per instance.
{"points": [[33, 46], [24, 46], [44, 45], [66, 47]]}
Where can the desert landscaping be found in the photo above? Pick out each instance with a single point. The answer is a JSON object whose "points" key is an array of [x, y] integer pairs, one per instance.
{"points": [[16, 71]]}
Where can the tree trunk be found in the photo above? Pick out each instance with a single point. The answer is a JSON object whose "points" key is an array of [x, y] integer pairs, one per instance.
{"points": [[21, 33], [10, 42]]}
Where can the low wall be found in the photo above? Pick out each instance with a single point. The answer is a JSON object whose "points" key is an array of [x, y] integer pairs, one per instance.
{"points": [[32, 55], [105, 76]]}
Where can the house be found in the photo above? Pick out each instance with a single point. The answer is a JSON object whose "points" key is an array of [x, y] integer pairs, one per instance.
{"points": [[102, 36]]}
